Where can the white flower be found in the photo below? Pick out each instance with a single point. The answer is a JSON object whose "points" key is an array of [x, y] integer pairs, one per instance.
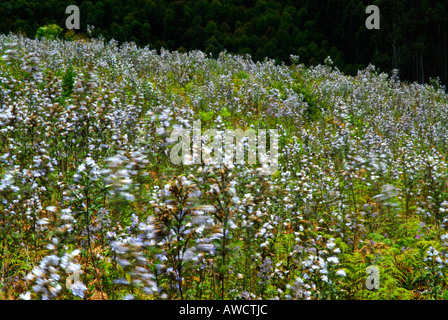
{"points": [[299, 281], [53, 259], [432, 251], [25, 296], [330, 245], [81, 168], [75, 252], [90, 162], [43, 221], [128, 196], [78, 289], [341, 273], [51, 208], [67, 217], [333, 259]]}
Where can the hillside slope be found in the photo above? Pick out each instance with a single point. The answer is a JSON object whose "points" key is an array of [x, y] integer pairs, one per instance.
{"points": [[93, 207]]}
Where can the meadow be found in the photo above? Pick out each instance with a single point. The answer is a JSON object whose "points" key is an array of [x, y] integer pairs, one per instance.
{"points": [[92, 207]]}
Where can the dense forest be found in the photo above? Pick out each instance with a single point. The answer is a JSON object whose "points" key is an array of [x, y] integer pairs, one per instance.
{"points": [[412, 37]]}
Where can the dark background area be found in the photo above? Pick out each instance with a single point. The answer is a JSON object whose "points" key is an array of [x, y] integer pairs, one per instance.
{"points": [[412, 37]]}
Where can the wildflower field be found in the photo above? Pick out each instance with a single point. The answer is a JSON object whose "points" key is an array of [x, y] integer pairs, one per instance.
{"points": [[92, 207]]}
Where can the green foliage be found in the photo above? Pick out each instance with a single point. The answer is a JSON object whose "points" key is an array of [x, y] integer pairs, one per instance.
{"points": [[51, 32], [313, 107], [206, 116], [68, 79]]}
